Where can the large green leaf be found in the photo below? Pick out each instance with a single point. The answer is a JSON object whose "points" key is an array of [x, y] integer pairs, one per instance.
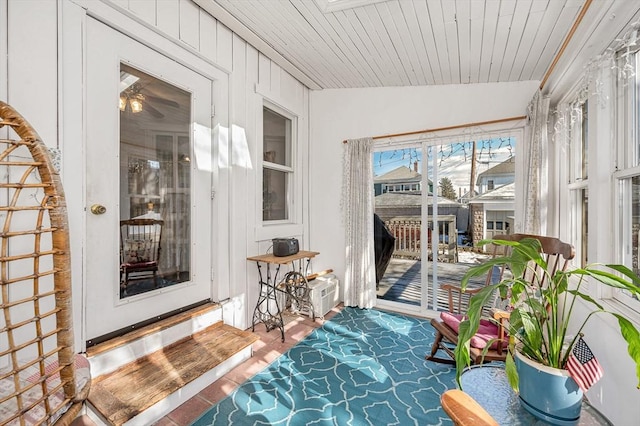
{"points": [[481, 270], [469, 327], [627, 272], [631, 335], [586, 298], [531, 335], [512, 372], [537, 321], [609, 279]]}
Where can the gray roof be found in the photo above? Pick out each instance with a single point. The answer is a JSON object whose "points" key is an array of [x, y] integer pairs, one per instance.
{"points": [[504, 192], [410, 199], [399, 174], [505, 168]]}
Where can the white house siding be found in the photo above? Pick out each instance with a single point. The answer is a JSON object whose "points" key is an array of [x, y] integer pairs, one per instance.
{"points": [[498, 181], [41, 75]]}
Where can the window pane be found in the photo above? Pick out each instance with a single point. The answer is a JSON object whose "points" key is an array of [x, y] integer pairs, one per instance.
{"points": [[635, 223], [155, 181], [277, 138], [274, 197], [584, 201], [635, 105], [584, 140], [578, 158], [630, 232]]}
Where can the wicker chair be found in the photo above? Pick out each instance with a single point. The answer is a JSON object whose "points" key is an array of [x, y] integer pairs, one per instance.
{"points": [[42, 380]]}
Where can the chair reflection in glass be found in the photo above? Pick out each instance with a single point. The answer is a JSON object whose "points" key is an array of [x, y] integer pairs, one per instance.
{"points": [[139, 250]]}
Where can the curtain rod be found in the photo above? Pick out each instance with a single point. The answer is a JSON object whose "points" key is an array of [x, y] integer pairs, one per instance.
{"points": [[573, 29], [457, 126]]}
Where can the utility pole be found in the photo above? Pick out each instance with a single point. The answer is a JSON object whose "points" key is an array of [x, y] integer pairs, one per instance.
{"points": [[472, 190], [473, 170]]}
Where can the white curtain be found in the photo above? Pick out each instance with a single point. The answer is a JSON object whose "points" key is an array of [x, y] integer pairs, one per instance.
{"points": [[357, 206], [535, 177]]}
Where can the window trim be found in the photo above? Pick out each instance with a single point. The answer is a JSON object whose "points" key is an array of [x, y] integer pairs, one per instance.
{"points": [[577, 182], [293, 185], [627, 166]]}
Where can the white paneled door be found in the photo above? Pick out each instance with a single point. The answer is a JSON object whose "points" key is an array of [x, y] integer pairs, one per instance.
{"points": [[149, 168]]}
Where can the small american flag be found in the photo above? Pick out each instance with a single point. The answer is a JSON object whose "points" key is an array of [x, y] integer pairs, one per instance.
{"points": [[583, 367]]}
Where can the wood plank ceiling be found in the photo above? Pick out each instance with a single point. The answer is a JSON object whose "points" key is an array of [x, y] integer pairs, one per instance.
{"points": [[376, 43]]}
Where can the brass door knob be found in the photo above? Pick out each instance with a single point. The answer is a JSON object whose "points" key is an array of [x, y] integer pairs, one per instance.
{"points": [[98, 209]]}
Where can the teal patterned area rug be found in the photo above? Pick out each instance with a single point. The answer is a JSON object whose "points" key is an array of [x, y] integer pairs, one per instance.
{"points": [[363, 367]]}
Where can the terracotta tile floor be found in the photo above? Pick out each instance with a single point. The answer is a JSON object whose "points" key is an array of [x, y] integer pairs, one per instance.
{"points": [[265, 350]]}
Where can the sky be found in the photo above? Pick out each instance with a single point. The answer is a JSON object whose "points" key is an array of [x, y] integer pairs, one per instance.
{"points": [[454, 159]]}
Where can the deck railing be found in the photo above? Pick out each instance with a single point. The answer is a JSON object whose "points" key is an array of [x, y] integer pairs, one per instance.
{"points": [[407, 235], [408, 239]]}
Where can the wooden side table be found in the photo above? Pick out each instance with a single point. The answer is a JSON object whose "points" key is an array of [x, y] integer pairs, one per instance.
{"points": [[293, 285]]}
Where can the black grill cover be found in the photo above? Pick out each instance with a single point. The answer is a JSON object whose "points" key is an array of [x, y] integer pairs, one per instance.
{"points": [[384, 243]]}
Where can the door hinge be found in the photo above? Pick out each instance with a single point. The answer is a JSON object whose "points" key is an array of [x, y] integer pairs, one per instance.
{"points": [[213, 111], [212, 274], [213, 194]]}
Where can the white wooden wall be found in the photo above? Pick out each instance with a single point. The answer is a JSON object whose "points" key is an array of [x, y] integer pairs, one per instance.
{"points": [[42, 79]]}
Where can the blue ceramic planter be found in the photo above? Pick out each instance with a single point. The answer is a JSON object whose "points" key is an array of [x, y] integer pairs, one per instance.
{"points": [[548, 393]]}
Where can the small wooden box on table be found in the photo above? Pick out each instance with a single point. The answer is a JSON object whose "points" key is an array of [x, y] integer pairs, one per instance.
{"points": [[293, 284]]}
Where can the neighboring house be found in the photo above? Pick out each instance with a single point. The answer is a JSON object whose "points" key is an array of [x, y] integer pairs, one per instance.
{"points": [[408, 204], [400, 179], [496, 201], [497, 176], [398, 194], [492, 212], [464, 198]]}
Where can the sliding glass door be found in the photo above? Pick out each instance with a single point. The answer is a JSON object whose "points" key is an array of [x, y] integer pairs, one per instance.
{"points": [[433, 201]]}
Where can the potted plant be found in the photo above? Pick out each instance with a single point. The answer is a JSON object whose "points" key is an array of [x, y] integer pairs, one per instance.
{"points": [[540, 314]]}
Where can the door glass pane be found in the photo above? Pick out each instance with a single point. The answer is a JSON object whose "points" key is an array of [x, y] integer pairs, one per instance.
{"points": [[155, 183], [460, 201], [398, 225]]}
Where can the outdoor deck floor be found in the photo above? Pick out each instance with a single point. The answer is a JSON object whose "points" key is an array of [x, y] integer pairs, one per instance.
{"points": [[402, 279]]}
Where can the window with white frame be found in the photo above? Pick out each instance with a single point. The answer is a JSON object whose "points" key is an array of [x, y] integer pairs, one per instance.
{"points": [[277, 164], [627, 175], [578, 178]]}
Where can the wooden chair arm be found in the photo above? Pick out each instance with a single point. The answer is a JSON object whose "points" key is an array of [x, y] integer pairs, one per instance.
{"points": [[464, 410], [501, 317], [499, 314]]}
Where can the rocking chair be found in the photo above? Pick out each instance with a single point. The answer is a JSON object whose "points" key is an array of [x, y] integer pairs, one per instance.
{"points": [[492, 332], [139, 250]]}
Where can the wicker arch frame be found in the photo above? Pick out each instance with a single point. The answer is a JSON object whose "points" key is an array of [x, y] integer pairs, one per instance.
{"points": [[49, 300]]}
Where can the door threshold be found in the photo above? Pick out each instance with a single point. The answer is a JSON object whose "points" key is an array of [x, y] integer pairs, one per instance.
{"points": [[150, 326]]}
